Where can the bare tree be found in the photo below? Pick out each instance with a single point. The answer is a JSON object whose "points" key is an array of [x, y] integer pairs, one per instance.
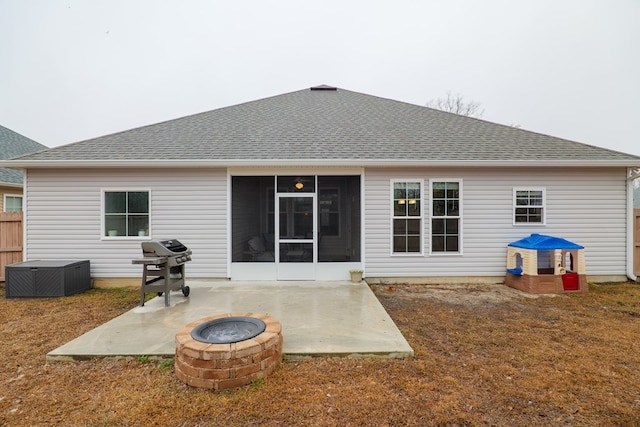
{"points": [[458, 105]]}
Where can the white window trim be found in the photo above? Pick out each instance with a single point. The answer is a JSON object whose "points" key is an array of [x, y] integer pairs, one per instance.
{"points": [[460, 217], [421, 217], [4, 201], [102, 214], [544, 207]]}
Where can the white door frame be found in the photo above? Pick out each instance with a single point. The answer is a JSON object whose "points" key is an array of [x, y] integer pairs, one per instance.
{"points": [[292, 270]]}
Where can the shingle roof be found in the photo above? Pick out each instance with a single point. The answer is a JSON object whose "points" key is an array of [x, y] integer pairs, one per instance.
{"points": [[326, 125], [13, 144]]}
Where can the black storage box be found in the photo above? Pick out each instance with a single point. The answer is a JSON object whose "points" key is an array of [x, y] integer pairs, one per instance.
{"points": [[47, 278]]}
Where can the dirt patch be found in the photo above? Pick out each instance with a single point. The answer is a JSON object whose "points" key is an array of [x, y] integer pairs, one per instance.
{"points": [[469, 295]]}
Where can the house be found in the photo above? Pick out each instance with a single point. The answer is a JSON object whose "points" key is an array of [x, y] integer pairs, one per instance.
{"points": [[13, 144], [310, 184]]}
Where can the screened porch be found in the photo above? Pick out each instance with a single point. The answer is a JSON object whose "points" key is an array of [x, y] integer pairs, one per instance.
{"points": [[289, 227]]}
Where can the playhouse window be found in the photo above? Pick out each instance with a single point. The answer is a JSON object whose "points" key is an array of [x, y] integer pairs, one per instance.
{"points": [[519, 262], [545, 262], [529, 205]]}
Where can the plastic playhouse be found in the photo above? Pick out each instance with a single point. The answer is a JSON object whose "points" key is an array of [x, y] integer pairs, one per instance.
{"points": [[541, 264]]}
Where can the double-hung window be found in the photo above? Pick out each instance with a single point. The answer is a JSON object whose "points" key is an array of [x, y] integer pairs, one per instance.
{"points": [[529, 205], [407, 216], [446, 216], [126, 213]]}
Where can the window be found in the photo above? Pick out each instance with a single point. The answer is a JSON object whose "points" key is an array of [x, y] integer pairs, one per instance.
{"points": [[407, 217], [528, 205], [329, 211], [126, 213], [12, 203], [446, 209]]}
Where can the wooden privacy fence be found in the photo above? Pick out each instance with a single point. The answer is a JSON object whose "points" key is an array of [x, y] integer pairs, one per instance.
{"points": [[10, 240]]}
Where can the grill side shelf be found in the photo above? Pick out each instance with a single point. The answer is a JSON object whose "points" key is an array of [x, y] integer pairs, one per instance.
{"points": [[150, 260]]}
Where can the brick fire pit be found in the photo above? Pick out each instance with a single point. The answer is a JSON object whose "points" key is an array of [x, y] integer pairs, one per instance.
{"points": [[230, 365]]}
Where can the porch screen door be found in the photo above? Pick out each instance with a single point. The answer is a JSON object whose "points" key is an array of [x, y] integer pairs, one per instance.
{"points": [[296, 245]]}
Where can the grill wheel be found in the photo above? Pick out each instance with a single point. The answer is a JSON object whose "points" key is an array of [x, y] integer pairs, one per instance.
{"points": [[185, 291]]}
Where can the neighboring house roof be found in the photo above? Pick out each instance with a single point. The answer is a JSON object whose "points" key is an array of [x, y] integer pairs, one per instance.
{"points": [[13, 144], [326, 126]]}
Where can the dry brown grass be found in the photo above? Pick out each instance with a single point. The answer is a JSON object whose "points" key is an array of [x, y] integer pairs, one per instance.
{"points": [[568, 360]]}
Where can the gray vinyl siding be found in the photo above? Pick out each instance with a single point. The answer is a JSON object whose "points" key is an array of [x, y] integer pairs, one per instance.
{"points": [[587, 206], [64, 217]]}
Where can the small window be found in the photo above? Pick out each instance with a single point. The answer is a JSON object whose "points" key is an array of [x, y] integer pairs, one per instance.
{"points": [[126, 213], [407, 217], [529, 206], [12, 203], [446, 216]]}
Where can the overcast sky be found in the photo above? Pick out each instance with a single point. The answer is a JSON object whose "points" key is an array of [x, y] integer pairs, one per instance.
{"points": [[72, 70]]}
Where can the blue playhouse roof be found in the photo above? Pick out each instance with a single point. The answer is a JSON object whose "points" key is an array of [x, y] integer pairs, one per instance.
{"points": [[542, 242]]}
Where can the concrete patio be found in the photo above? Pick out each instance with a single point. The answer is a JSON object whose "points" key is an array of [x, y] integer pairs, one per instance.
{"points": [[318, 319]]}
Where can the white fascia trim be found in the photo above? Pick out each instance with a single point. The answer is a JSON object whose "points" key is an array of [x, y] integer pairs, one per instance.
{"points": [[154, 163], [10, 184], [295, 170]]}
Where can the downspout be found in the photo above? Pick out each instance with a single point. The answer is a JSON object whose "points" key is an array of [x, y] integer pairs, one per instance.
{"points": [[25, 211], [229, 243], [363, 252], [632, 174]]}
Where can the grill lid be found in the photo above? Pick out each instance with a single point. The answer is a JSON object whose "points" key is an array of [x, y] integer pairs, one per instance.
{"points": [[164, 247], [173, 245]]}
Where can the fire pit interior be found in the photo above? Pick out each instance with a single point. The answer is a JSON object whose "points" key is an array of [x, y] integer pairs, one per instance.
{"points": [[228, 351], [228, 330]]}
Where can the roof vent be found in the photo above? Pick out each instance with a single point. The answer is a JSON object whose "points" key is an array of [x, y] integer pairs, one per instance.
{"points": [[324, 87]]}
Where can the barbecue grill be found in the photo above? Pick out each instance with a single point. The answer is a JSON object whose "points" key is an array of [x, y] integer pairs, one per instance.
{"points": [[163, 265]]}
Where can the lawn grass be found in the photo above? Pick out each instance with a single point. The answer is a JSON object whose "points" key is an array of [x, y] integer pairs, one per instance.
{"points": [[565, 360]]}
